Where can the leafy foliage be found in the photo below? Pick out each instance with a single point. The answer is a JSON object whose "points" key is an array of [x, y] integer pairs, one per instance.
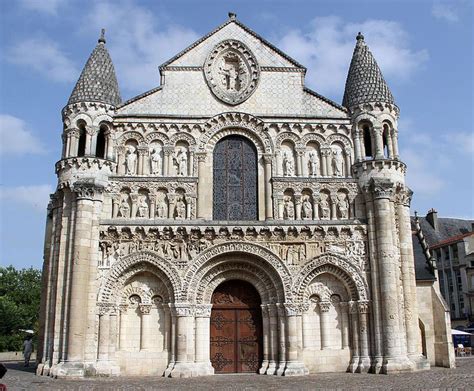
{"points": [[20, 292]]}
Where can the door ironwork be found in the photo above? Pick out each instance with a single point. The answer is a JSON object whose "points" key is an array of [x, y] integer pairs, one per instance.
{"points": [[235, 179]]}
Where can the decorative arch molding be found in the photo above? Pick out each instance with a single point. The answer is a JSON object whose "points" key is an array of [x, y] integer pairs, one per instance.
{"points": [[130, 265], [102, 118], [84, 117], [338, 138], [282, 137], [313, 137], [317, 289], [219, 126], [182, 137], [337, 266], [150, 137], [366, 117], [131, 135], [261, 257], [239, 271]]}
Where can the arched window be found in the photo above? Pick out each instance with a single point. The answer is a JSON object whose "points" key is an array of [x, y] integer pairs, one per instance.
{"points": [[100, 144], [235, 179], [81, 150], [367, 141]]}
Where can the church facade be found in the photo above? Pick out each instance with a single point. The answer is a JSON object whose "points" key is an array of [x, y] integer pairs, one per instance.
{"points": [[229, 220]]}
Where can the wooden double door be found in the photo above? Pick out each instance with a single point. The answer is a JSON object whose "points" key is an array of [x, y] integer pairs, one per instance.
{"points": [[236, 328]]}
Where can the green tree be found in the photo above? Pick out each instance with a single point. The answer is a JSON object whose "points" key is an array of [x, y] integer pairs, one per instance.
{"points": [[20, 292]]}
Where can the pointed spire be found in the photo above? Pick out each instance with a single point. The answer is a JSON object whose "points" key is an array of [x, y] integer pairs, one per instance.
{"points": [[365, 83], [97, 82]]}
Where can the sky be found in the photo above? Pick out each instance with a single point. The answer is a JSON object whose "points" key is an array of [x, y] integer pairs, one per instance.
{"points": [[424, 48]]}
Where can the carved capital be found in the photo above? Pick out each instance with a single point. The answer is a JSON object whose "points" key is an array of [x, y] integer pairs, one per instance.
{"points": [[403, 196], [104, 308], [264, 311], [293, 309], [343, 306], [364, 307], [142, 151], [87, 191], [123, 308], [267, 158], [201, 156], [324, 306], [382, 188], [203, 310], [183, 309], [353, 307], [168, 150], [144, 308]]}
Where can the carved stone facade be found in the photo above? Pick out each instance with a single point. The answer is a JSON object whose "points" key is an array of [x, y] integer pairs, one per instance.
{"points": [[134, 252]]}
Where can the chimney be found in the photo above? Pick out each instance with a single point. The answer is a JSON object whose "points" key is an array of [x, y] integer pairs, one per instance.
{"points": [[432, 218]]}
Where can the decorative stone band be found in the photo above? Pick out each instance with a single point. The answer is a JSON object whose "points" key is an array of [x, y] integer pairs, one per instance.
{"points": [[203, 310], [87, 191]]}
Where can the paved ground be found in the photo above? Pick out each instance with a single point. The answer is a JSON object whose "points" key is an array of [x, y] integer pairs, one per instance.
{"points": [[460, 378]]}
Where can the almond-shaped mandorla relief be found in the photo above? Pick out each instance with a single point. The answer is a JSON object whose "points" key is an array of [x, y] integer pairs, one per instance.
{"points": [[231, 71]]}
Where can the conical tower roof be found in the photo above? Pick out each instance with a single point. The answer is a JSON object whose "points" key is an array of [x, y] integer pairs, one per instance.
{"points": [[365, 83], [97, 82]]}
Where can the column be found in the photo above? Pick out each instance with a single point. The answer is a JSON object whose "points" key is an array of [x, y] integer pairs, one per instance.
{"points": [[280, 206], [293, 366], [299, 162], [278, 163], [123, 326], [88, 148], [201, 204], [389, 145], [364, 360], [306, 326], [182, 368], [324, 307], [267, 161], [355, 337], [282, 339], [395, 143], [113, 333], [266, 340], [328, 157], [273, 322], [134, 199], [86, 194], [172, 343], [408, 273], [120, 160], [202, 340], [378, 132], [104, 332], [146, 335], [74, 144], [362, 146], [115, 204], [324, 166], [357, 150], [298, 206], [109, 150], [191, 163], [152, 211], [95, 132], [333, 201], [383, 192], [344, 325], [348, 163]]}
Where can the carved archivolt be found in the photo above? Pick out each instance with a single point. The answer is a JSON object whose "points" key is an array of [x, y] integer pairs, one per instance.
{"points": [[354, 282], [313, 137], [157, 136], [182, 137], [135, 263], [334, 138], [132, 135], [259, 255], [287, 136], [253, 127]]}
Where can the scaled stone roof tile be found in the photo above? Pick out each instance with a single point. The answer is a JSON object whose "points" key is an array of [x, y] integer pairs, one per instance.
{"points": [[98, 82], [365, 83]]}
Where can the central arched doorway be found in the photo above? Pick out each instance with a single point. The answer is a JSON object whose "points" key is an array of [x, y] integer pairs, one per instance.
{"points": [[236, 328]]}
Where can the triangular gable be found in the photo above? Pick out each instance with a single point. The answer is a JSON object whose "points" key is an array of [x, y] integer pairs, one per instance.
{"points": [[265, 52]]}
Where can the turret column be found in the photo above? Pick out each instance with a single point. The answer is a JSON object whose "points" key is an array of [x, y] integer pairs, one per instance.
{"points": [[267, 161]]}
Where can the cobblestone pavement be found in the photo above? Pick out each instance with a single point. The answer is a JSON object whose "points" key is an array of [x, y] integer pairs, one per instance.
{"points": [[460, 378]]}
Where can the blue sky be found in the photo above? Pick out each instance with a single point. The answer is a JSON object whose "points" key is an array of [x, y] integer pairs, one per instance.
{"points": [[424, 48]]}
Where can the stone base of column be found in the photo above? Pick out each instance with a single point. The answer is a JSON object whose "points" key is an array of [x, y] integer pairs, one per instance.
{"points": [[353, 364], [376, 365], [106, 368], [281, 368], [295, 368], [71, 370], [364, 365], [420, 361], [263, 368], [396, 365], [168, 370], [272, 368], [41, 369], [186, 369], [203, 369]]}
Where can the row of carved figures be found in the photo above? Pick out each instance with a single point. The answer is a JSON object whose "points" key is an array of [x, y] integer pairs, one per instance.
{"points": [[308, 207], [159, 206]]}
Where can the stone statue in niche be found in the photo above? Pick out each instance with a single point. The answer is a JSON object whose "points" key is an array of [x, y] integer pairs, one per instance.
{"points": [[307, 208], [293, 254], [131, 161], [181, 162], [288, 165], [180, 208], [313, 163], [156, 161], [124, 208], [325, 207], [288, 208], [232, 72], [161, 207], [343, 206], [337, 163], [142, 207]]}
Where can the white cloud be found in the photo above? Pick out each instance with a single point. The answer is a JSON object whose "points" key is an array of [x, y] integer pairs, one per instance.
{"points": [[45, 57], [16, 138], [138, 46], [45, 6], [34, 196], [326, 47], [444, 11]]}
